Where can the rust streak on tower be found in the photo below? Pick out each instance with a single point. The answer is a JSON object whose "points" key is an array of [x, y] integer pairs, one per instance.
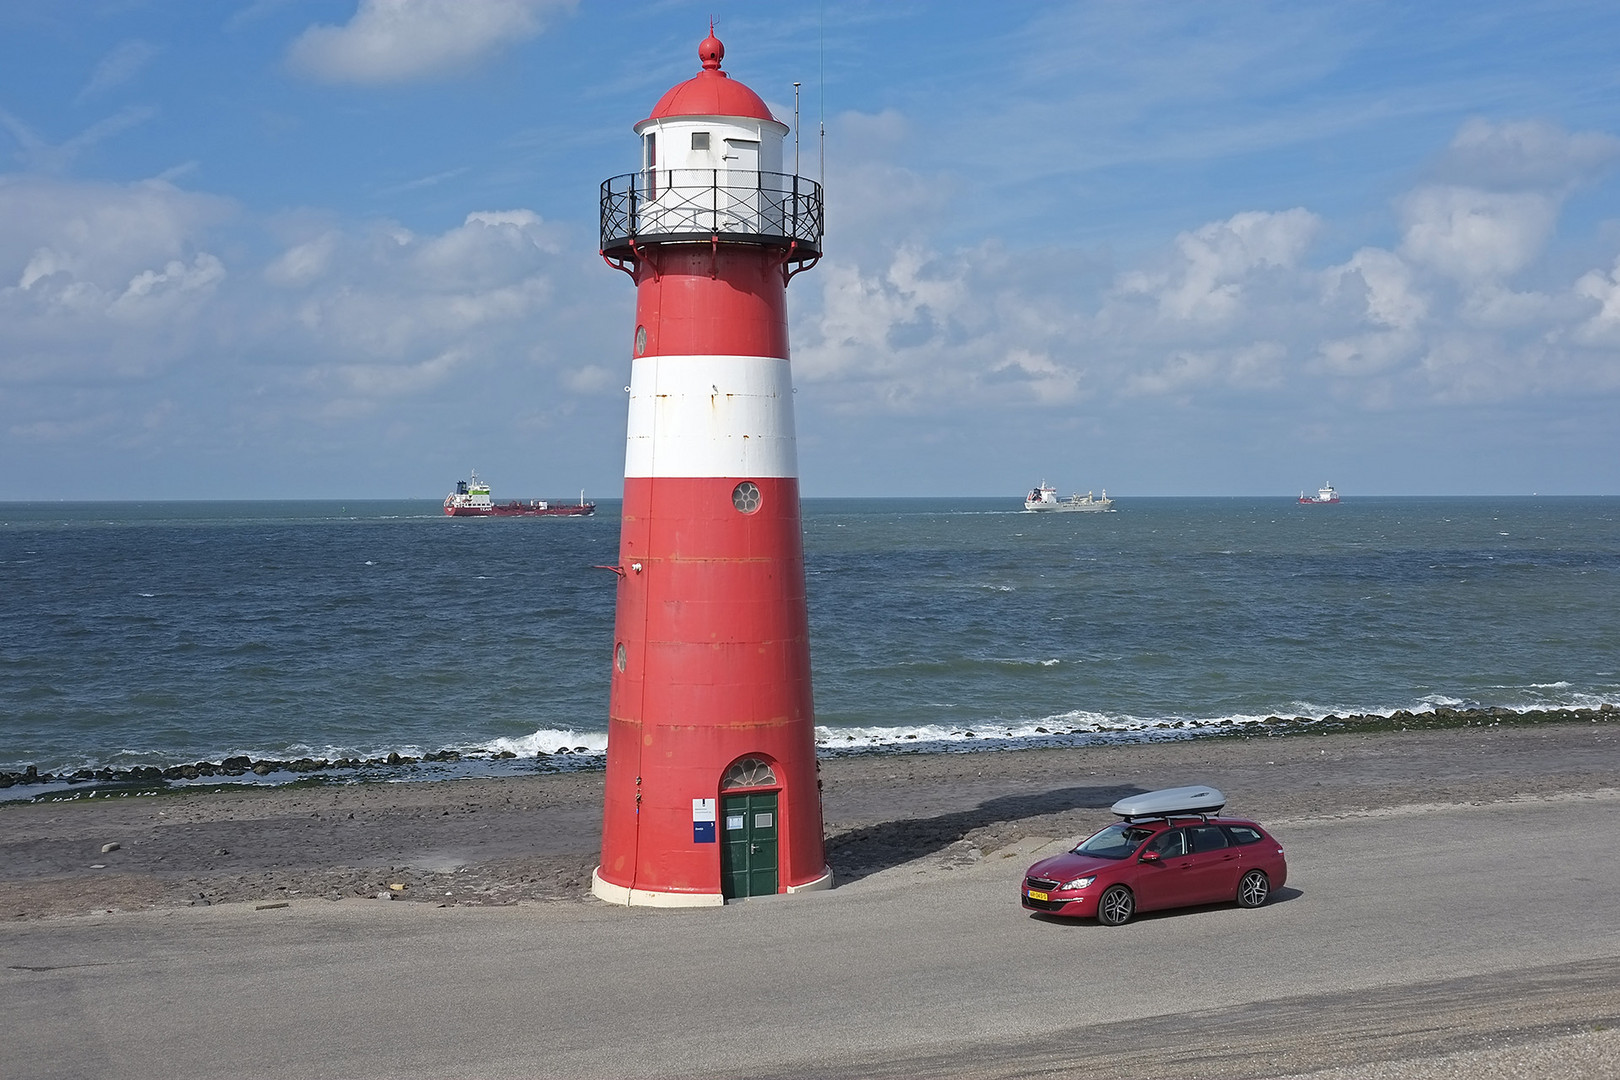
{"points": [[712, 790]]}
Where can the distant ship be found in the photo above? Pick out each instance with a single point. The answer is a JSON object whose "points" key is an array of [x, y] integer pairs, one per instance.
{"points": [[471, 499], [1325, 494], [1046, 498]]}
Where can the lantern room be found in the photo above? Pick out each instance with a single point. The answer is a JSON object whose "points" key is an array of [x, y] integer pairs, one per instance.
{"points": [[711, 169]]}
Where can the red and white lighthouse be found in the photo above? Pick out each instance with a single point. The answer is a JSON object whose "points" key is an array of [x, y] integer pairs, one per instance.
{"points": [[712, 790]]}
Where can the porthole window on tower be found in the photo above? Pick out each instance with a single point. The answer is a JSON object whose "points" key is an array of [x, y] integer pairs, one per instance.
{"points": [[746, 497], [641, 340], [619, 657], [749, 772]]}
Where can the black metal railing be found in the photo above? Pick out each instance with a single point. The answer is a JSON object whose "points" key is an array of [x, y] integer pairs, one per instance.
{"points": [[669, 205]]}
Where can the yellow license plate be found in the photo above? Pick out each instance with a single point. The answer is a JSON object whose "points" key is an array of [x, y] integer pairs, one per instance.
{"points": [[1033, 895]]}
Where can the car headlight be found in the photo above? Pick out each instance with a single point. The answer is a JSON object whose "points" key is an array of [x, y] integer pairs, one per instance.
{"points": [[1078, 883]]}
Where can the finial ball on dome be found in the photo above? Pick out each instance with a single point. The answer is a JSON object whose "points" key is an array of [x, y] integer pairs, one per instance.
{"points": [[711, 52]]}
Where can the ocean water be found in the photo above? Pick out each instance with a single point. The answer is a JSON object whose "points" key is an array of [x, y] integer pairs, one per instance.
{"points": [[164, 633]]}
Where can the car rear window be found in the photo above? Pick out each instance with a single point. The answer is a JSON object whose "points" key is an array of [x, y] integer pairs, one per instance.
{"points": [[1242, 834], [1208, 838]]}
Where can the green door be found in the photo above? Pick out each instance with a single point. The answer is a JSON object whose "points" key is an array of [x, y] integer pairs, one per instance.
{"points": [[748, 846]]}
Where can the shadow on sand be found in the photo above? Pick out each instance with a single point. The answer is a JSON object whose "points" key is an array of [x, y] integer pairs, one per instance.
{"points": [[857, 853], [1281, 896]]}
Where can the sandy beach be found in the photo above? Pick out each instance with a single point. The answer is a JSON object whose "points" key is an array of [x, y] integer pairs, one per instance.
{"points": [[506, 841]]}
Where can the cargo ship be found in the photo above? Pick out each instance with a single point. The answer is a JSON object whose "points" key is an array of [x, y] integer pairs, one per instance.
{"points": [[471, 499], [1324, 496], [1045, 498]]}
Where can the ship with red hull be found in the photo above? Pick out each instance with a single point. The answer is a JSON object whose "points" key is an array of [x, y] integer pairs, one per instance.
{"points": [[471, 499], [1325, 496]]}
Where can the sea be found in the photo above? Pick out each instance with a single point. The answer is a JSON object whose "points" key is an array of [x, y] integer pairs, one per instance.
{"points": [[160, 633]]}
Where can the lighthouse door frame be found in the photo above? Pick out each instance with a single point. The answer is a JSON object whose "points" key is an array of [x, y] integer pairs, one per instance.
{"points": [[751, 828], [750, 846]]}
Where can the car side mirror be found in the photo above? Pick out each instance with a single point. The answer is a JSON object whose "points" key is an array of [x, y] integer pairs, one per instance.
{"points": [[1149, 856]]}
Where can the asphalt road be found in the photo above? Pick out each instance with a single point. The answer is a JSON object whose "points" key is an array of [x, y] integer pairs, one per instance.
{"points": [[1411, 934]]}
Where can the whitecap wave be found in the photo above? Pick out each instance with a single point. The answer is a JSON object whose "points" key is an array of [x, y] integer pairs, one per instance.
{"points": [[548, 741]]}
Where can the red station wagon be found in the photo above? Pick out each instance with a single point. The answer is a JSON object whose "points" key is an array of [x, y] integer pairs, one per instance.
{"points": [[1168, 852]]}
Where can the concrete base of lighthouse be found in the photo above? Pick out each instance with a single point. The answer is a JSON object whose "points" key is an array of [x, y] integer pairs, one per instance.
{"points": [[603, 889]]}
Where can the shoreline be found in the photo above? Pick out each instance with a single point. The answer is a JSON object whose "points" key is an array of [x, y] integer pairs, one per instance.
{"points": [[247, 772], [535, 838]]}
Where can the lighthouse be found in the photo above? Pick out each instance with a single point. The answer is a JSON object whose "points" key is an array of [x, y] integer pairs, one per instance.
{"points": [[712, 790]]}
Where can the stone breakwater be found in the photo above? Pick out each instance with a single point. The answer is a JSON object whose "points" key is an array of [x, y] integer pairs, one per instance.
{"points": [[232, 768], [570, 759], [1442, 716]]}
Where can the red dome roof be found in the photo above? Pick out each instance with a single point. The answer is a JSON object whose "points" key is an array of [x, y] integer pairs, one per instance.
{"points": [[711, 92]]}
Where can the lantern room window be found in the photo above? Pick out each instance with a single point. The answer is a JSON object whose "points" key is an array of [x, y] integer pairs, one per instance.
{"points": [[700, 140], [649, 165]]}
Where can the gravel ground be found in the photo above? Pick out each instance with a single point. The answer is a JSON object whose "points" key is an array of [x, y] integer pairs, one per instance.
{"points": [[505, 841], [536, 838]]}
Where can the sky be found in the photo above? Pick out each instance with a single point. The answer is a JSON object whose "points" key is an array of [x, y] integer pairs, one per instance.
{"points": [[267, 249]]}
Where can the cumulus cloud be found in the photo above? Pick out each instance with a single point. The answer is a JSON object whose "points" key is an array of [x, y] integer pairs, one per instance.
{"points": [[1525, 155], [95, 278], [382, 311], [106, 284], [1603, 326], [1469, 234], [391, 41], [1391, 298], [1237, 307], [1205, 279]]}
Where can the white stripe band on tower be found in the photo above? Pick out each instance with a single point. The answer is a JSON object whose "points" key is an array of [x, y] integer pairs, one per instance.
{"points": [[703, 416]]}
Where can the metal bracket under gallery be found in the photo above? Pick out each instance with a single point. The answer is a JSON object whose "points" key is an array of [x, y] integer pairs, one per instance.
{"points": [[700, 205]]}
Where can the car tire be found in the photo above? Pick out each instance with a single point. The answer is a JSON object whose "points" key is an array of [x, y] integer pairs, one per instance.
{"points": [[1116, 906], [1254, 890]]}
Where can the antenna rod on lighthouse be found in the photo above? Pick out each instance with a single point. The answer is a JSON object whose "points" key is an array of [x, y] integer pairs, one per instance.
{"points": [[823, 123], [795, 129]]}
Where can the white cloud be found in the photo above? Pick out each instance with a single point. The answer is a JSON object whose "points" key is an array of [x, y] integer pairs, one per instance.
{"points": [[1525, 155], [303, 263], [390, 41], [154, 293], [1603, 327], [40, 156], [1205, 280], [1231, 308], [372, 381], [1469, 234], [106, 282], [124, 63], [1391, 297], [592, 379], [97, 278]]}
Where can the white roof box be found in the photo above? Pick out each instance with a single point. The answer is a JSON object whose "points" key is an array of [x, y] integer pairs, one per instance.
{"points": [[1170, 802]]}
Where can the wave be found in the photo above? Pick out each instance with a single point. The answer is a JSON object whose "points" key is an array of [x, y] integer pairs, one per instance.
{"points": [[1079, 727], [568, 749]]}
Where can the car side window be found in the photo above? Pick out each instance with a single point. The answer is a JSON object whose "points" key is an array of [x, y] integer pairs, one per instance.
{"points": [[1242, 834], [1168, 844], [1207, 838]]}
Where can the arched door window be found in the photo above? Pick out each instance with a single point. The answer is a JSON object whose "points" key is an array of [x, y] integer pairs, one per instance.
{"points": [[750, 772]]}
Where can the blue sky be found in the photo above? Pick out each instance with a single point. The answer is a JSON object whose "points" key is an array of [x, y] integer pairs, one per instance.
{"points": [[347, 248]]}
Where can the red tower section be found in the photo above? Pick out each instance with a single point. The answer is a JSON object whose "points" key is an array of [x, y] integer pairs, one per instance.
{"points": [[711, 768]]}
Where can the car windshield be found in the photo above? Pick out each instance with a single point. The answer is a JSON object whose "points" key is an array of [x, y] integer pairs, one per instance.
{"points": [[1114, 842]]}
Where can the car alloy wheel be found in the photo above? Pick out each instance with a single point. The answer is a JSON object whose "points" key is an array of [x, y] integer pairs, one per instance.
{"points": [[1116, 906], [1254, 890]]}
